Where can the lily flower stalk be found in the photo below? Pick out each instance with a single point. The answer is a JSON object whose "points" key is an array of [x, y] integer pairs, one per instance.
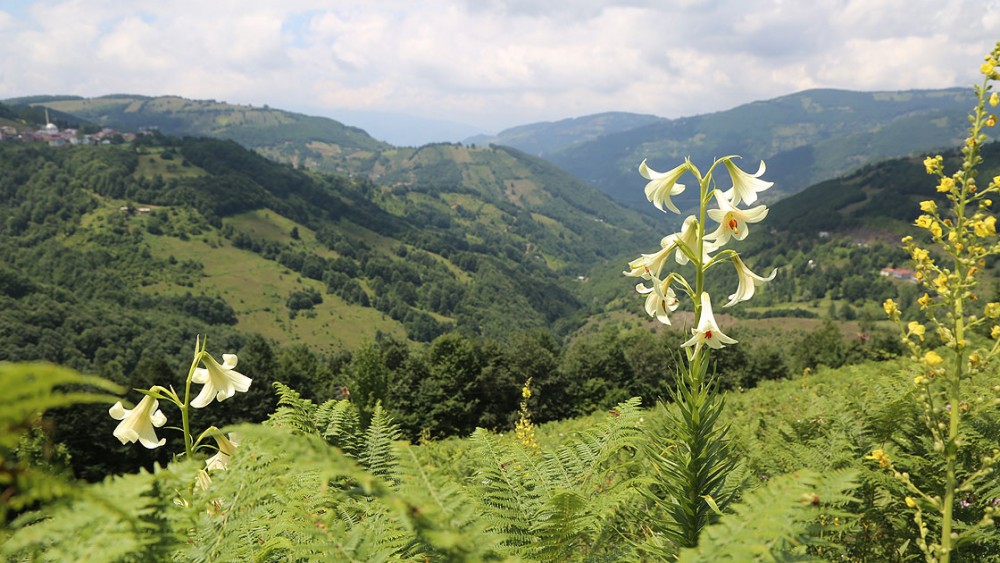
{"points": [[219, 381], [693, 500]]}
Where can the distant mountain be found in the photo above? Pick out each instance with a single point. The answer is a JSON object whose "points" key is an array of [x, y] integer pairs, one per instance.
{"points": [[308, 141], [805, 138], [549, 137]]}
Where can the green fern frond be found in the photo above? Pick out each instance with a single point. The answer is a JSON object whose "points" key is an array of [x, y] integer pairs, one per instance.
{"points": [[30, 389], [505, 488], [579, 462], [340, 424], [377, 454], [293, 412], [777, 522], [440, 513], [131, 518]]}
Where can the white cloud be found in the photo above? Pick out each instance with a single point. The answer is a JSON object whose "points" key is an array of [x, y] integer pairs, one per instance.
{"points": [[494, 63]]}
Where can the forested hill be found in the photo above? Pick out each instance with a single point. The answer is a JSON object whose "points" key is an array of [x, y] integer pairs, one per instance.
{"points": [[147, 234], [880, 197]]}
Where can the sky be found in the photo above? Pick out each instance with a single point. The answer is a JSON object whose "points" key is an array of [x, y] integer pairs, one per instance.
{"points": [[416, 71]]}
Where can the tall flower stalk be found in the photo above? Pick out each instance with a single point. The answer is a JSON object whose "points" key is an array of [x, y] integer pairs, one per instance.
{"points": [[693, 467], [220, 382], [962, 235]]}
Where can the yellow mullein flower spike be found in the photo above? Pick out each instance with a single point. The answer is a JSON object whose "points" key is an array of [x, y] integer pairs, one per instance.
{"points": [[916, 329], [928, 206], [994, 99]]}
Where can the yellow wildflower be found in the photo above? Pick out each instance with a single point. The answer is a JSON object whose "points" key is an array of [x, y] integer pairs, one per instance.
{"points": [[941, 283], [986, 68], [994, 99], [992, 310], [935, 230], [879, 456], [928, 206], [919, 379], [891, 309], [920, 254], [946, 185], [924, 221], [975, 359], [986, 227], [991, 120], [932, 358], [995, 332], [934, 164], [924, 301], [916, 329], [910, 502]]}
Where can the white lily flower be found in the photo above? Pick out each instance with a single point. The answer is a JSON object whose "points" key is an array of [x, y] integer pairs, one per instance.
{"points": [[748, 282], [733, 220], [220, 381], [707, 332], [745, 186], [662, 185], [649, 266], [661, 299], [689, 237], [220, 461], [137, 424]]}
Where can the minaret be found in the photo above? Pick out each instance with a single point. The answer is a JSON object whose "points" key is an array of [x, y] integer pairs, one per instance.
{"points": [[49, 126]]}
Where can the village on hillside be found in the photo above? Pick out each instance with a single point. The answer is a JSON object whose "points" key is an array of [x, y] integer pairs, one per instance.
{"points": [[56, 137]]}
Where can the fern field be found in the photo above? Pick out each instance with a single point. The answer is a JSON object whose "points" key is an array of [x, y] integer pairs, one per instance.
{"points": [[312, 484]]}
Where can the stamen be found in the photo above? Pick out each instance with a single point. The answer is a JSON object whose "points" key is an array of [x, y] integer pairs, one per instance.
{"points": [[708, 335]]}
